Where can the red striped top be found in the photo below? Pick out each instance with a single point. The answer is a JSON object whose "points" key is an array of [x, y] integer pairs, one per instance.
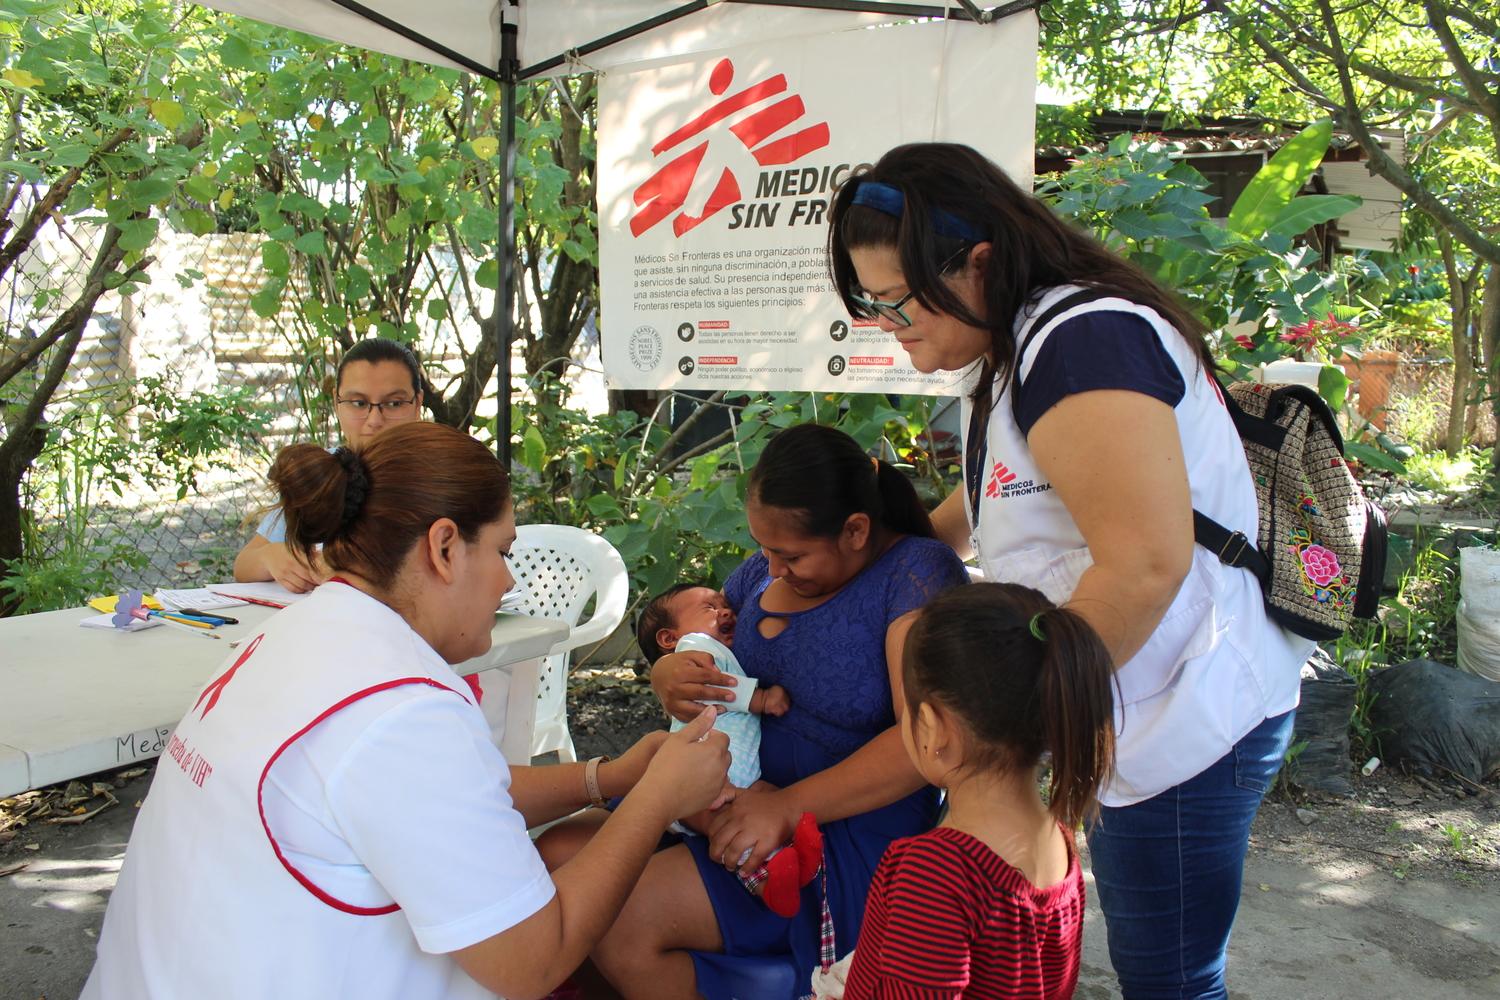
{"points": [[947, 917]]}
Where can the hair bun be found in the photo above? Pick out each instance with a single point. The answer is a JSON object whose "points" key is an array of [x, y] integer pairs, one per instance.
{"points": [[356, 487]]}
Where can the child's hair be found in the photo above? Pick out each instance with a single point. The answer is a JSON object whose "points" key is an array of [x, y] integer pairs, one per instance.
{"points": [[655, 618], [973, 650], [368, 506]]}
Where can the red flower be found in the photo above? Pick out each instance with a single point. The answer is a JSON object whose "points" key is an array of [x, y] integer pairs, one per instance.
{"points": [[1244, 342], [1320, 564]]}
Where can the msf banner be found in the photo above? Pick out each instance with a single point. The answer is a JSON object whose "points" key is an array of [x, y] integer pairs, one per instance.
{"points": [[715, 174]]}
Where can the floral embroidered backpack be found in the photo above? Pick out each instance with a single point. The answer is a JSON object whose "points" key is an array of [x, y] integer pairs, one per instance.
{"points": [[1320, 557]]}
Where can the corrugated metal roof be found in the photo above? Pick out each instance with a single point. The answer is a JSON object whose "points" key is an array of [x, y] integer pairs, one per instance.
{"points": [[1214, 135]]}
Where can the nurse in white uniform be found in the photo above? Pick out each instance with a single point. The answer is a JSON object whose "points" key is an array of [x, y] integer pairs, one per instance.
{"points": [[1086, 454], [331, 818]]}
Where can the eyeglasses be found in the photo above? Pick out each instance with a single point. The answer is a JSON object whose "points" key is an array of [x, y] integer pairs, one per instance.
{"points": [[390, 408], [891, 311]]}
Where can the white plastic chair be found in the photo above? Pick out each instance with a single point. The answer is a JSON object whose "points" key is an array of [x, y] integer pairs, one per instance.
{"points": [[560, 568]]}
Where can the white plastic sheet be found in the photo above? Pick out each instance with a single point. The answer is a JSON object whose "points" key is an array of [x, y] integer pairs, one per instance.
{"points": [[1479, 612]]}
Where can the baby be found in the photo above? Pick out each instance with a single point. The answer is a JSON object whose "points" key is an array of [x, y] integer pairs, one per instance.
{"points": [[693, 617]]}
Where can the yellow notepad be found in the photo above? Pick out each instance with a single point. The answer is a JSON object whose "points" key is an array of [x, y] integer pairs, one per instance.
{"points": [[109, 602]]}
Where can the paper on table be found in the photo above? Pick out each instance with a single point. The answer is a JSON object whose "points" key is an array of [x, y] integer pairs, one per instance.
{"points": [[200, 598], [108, 621], [258, 593]]}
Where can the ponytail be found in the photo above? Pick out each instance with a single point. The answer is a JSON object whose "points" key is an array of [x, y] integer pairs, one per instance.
{"points": [[824, 476], [902, 509], [1024, 677], [1077, 712], [368, 506]]}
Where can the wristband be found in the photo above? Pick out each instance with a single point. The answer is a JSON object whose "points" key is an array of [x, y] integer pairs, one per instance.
{"points": [[591, 780]]}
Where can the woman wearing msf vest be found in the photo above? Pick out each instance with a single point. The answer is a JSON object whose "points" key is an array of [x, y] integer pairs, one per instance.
{"points": [[331, 818], [1092, 437]]}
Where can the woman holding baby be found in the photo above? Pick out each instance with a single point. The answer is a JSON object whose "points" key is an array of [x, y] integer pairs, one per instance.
{"points": [[845, 550]]}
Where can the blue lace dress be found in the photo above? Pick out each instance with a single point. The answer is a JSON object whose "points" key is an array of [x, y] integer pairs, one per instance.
{"points": [[831, 661]]}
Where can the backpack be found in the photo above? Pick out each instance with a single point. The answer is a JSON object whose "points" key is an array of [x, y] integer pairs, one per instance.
{"points": [[1321, 546]]}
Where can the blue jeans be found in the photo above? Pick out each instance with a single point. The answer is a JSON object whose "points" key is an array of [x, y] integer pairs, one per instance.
{"points": [[1168, 870]]}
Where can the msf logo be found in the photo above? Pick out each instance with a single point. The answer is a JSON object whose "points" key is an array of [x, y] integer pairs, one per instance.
{"points": [[1000, 476], [700, 180]]}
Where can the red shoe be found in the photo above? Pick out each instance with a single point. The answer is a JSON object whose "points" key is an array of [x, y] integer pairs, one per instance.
{"points": [[807, 843], [782, 893], [566, 990]]}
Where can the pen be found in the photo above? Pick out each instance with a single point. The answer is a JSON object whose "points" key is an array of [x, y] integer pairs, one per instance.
{"points": [[190, 622], [189, 629], [212, 619], [252, 600]]}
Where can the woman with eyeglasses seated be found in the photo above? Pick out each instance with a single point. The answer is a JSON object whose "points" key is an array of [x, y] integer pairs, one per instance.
{"points": [[1095, 431], [378, 385]]}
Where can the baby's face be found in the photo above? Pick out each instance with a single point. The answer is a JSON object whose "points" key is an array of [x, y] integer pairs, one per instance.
{"points": [[702, 609]]}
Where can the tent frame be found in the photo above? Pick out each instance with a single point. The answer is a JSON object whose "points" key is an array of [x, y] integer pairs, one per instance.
{"points": [[509, 74]]}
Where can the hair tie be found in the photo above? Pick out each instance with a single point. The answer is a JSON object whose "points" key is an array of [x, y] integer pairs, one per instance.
{"points": [[888, 200], [356, 487], [1035, 625]]}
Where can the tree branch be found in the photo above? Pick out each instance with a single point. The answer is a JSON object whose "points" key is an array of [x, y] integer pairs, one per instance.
{"points": [[1461, 63], [56, 194]]}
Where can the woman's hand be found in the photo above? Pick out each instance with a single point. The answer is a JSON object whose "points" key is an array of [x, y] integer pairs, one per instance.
{"points": [[687, 772], [683, 680], [619, 776], [760, 818]]}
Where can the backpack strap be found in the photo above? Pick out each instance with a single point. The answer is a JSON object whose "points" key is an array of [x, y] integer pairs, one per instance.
{"points": [[1035, 326], [1232, 547], [976, 447]]}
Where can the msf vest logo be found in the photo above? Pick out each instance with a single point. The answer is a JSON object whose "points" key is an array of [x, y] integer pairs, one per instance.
{"points": [[699, 180], [1002, 484]]}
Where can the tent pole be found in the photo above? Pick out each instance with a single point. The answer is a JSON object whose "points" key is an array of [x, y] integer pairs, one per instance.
{"points": [[505, 292]]}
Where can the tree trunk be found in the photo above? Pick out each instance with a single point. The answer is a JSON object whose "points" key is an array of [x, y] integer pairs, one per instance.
{"points": [[1461, 290], [1490, 339]]}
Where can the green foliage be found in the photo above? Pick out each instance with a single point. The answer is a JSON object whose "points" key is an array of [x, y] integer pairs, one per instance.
{"points": [[1455, 475], [1151, 208], [681, 516]]}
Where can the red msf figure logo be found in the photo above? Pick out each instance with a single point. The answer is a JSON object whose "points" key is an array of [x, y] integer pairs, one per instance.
{"points": [[999, 476], [669, 189], [215, 689]]}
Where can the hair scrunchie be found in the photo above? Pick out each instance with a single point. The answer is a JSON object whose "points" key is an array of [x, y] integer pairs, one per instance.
{"points": [[356, 487]]}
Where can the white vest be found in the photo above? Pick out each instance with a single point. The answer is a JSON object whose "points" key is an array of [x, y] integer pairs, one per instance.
{"points": [[205, 905], [1216, 666]]}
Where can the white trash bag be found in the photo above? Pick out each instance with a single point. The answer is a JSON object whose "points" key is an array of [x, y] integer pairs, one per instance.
{"points": [[1479, 612]]}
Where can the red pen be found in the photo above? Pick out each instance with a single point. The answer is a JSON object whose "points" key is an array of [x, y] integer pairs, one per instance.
{"points": [[250, 600]]}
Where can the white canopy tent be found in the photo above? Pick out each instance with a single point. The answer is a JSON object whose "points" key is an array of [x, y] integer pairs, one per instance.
{"points": [[517, 40]]}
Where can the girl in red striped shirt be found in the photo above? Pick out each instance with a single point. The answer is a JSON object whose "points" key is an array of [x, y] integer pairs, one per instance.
{"points": [[990, 904]]}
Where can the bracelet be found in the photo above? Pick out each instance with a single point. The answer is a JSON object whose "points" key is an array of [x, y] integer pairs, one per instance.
{"points": [[591, 780]]}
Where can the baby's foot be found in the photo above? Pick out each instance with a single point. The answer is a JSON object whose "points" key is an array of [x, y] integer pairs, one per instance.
{"points": [[782, 891], [807, 844]]}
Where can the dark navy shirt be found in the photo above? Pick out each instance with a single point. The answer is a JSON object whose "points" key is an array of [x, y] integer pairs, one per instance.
{"points": [[1097, 350]]}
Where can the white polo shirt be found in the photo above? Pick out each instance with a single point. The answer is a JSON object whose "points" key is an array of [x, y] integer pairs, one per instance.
{"points": [[331, 819], [1216, 666]]}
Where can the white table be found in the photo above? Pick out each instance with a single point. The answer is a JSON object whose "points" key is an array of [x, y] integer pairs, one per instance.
{"points": [[75, 700]]}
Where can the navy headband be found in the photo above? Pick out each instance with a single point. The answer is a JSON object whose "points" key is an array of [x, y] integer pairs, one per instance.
{"points": [[888, 200]]}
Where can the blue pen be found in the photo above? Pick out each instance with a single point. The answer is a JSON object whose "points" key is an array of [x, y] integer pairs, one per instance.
{"points": [[199, 616]]}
